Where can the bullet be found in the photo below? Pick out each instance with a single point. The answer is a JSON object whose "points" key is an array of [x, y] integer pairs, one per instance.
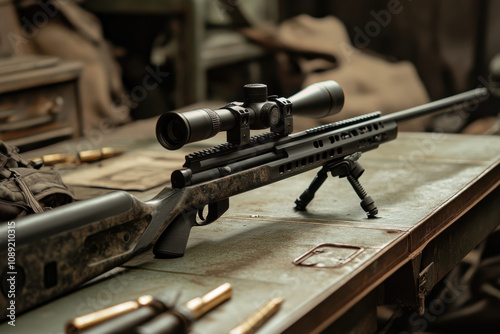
{"points": [[179, 320], [201, 305], [103, 153], [81, 323], [54, 159], [257, 319]]}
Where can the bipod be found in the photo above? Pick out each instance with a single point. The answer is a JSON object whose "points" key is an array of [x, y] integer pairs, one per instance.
{"points": [[348, 167]]}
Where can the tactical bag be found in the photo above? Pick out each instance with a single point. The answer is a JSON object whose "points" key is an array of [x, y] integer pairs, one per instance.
{"points": [[26, 188]]}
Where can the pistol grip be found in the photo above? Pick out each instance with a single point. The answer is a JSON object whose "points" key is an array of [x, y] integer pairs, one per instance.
{"points": [[172, 242]]}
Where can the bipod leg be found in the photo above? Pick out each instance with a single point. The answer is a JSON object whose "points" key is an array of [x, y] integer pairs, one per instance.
{"points": [[308, 194], [367, 203], [352, 169]]}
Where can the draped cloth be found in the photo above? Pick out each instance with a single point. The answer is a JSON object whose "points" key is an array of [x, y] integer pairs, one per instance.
{"points": [[317, 49]]}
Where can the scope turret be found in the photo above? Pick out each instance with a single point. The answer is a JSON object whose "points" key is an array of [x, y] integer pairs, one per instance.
{"points": [[258, 111]]}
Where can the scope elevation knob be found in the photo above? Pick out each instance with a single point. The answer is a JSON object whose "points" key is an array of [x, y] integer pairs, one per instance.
{"points": [[255, 93]]}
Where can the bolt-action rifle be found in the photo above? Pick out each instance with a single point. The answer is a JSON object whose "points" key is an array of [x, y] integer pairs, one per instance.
{"points": [[45, 255]]}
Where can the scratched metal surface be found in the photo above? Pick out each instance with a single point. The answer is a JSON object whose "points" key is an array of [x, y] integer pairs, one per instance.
{"points": [[253, 245]]}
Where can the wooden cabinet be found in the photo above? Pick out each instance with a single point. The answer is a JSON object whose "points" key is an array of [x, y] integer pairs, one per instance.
{"points": [[38, 100]]}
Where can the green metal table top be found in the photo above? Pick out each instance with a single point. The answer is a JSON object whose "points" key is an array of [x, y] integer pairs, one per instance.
{"points": [[421, 183]]}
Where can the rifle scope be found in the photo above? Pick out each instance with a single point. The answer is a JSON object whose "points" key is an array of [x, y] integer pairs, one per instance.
{"points": [[258, 111]]}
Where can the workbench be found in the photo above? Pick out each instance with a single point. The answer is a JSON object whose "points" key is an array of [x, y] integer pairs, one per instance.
{"points": [[438, 197]]}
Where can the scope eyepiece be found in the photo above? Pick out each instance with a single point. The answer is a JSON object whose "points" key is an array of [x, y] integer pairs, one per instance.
{"points": [[174, 130]]}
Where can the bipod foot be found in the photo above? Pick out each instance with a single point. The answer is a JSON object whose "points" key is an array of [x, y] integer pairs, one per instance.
{"points": [[352, 169]]}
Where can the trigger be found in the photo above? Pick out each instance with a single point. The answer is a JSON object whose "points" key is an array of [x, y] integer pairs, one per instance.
{"points": [[215, 211]]}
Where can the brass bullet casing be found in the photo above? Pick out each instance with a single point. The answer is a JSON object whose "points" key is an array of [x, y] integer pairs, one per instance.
{"points": [[54, 159], [257, 319], [83, 156], [81, 323], [90, 155], [180, 319], [103, 153], [201, 305], [109, 152]]}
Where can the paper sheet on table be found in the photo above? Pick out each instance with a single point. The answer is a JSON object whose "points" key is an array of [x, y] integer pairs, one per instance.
{"points": [[138, 171]]}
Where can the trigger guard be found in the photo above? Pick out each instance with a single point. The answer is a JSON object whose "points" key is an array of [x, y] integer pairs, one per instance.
{"points": [[215, 211], [200, 215]]}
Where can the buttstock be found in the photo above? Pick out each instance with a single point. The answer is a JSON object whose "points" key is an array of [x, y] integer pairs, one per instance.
{"points": [[58, 250]]}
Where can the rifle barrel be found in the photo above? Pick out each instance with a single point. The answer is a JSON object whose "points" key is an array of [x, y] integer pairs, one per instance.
{"points": [[455, 102]]}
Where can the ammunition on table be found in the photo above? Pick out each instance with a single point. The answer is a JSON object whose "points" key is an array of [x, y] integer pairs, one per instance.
{"points": [[201, 305], [54, 159], [83, 322], [82, 156], [103, 153], [127, 322], [179, 320], [257, 319], [152, 315]]}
